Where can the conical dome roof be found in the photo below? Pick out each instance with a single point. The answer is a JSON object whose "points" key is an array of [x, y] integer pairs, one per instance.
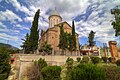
{"points": [[54, 12]]}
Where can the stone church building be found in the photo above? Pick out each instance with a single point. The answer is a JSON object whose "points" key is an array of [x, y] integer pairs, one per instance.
{"points": [[53, 32]]}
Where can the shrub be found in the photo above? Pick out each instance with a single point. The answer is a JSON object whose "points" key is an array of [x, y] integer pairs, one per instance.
{"points": [[105, 59], [118, 62], [31, 72], [95, 60], [69, 62], [78, 59], [87, 72], [51, 73], [4, 63], [42, 63], [85, 59], [112, 72]]}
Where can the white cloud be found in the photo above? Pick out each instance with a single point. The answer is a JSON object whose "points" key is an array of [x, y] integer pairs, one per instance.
{"points": [[69, 9], [18, 6], [101, 25], [21, 27], [8, 37], [9, 16], [3, 28]]}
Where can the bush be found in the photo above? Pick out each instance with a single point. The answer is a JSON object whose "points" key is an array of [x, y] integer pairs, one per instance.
{"points": [[112, 72], [51, 73], [69, 62], [31, 72], [4, 63], [42, 63], [95, 60], [78, 59], [87, 72], [85, 59], [105, 59], [118, 62]]}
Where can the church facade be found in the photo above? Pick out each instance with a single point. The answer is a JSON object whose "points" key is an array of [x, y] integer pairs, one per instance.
{"points": [[51, 36]]}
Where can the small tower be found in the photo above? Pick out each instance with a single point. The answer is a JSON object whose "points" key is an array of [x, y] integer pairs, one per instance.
{"points": [[54, 19]]}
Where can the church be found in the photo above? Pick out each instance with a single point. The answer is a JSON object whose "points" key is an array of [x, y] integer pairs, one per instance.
{"points": [[51, 35]]}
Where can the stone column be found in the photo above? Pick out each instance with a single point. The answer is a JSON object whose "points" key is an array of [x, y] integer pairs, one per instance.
{"points": [[113, 48]]}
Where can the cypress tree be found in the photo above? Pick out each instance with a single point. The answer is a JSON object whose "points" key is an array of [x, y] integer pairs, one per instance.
{"points": [[63, 40], [91, 39], [73, 36], [34, 33]]}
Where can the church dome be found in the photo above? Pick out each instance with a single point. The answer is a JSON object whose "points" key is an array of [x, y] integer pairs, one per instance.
{"points": [[54, 12]]}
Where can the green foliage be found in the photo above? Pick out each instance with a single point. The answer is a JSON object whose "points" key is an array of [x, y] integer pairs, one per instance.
{"points": [[34, 33], [78, 59], [69, 63], [91, 39], [42, 63], [105, 59], [87, 72], [112, 72], [4, 63], [51, 73], [116, 23], [26, 44], [118, 62], [63, 39], [67, 40], [85, 59], [73, 37], [95, 60], [46, 48]]}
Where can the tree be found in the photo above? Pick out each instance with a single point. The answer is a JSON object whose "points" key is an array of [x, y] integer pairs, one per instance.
{"points": [[70, 42], [34, 33], [116, 23], [46, 48], [91, 38], [73, 36], [63, 39], [26, 44], [4, 63]]}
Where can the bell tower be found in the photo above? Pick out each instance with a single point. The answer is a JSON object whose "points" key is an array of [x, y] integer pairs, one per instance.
{"points": [[54, 18]]}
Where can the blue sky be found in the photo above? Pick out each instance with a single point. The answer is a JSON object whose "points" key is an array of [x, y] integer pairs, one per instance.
{"points": [[16, 17]]}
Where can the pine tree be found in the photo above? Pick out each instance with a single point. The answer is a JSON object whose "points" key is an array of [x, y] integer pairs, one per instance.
{"points": [[34, 33], [73, 36], [26, 44]]}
